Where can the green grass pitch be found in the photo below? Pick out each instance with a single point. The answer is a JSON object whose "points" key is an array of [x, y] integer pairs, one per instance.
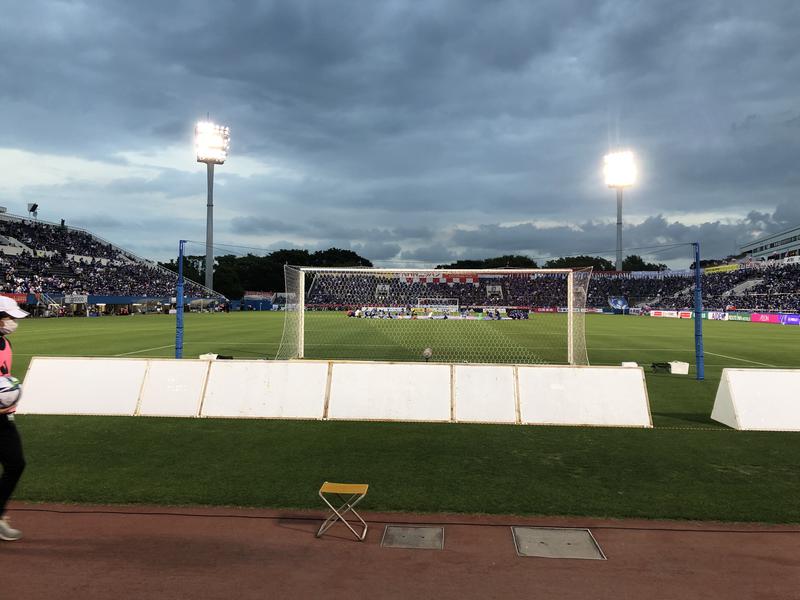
{"points": [[687, 467]]}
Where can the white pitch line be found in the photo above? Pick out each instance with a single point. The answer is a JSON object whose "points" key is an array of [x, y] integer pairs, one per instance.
{"points": [[752, 362], [145, 350]]}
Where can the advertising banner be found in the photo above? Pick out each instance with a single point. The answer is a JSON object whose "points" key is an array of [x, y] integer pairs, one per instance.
{"points": [[548, 309], [18, 298], [716, 316], [765, 318], [790, 319], [672, 314], [721, 268], [738, 316], [76, 298]]}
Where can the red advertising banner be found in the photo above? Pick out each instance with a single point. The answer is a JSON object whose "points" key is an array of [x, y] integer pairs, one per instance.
{"points": [[18, 298]]}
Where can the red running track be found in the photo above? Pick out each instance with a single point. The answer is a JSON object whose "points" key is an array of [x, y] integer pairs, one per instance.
{"points": [[137, 552]]}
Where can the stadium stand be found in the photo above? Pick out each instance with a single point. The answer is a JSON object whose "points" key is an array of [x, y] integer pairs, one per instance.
{"points": [[775, 288], [45, 258], [38, 258]]}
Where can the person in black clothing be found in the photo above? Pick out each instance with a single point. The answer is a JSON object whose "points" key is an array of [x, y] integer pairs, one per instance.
{"points": [[11, 456]]}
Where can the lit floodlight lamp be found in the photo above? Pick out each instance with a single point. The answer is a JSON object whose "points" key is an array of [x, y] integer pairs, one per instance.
{"points": [[211, 142], [619, 169]]}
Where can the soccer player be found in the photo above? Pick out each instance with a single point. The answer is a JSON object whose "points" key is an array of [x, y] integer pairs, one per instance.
{"points": [[11, 456]]}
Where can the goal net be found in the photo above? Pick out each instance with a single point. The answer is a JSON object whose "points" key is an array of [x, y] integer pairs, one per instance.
{"points": [[511, 316]]}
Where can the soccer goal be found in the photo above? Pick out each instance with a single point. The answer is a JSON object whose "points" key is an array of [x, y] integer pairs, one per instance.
{"points": [[511, 316]]}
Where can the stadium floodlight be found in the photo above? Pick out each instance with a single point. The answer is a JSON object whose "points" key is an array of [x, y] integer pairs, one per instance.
{"points": [[211, 143], [619, 170]]}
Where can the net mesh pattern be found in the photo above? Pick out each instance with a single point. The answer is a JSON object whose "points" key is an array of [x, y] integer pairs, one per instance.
{"points": [[482, 316]]}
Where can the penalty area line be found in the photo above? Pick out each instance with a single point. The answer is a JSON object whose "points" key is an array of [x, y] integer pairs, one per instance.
{"points": [[752, 362], [145, 350]]}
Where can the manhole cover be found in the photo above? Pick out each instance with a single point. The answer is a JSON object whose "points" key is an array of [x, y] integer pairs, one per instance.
{"points": [[551, 542], [427, 538]]}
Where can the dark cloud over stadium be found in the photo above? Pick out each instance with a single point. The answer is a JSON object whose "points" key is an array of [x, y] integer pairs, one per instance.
{"points": [[408, 131]]}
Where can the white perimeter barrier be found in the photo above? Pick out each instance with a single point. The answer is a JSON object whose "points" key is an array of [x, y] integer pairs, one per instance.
{"points": [[759, 399], [604, 396]]}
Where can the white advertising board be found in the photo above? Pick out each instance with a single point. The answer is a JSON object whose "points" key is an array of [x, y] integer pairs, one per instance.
{"points": [[390, 392], [82, 386], [672, 314], [602, 396], [759, 399], [484, 394], [173, 388], [266, 389], [609, 396]]}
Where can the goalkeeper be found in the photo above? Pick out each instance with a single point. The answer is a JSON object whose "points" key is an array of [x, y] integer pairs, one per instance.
{"points": [[11, 456]]}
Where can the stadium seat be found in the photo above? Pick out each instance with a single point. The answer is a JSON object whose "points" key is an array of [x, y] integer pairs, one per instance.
{"points": [[349, 494]]}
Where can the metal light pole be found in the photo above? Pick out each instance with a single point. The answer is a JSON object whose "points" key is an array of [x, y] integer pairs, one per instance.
{"points": [[698, 315], [179, 303], [210, 227], [619, 169], [211, 145], [618, 265]]}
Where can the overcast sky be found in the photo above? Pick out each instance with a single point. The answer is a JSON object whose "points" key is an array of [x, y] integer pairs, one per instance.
{"points": [[406, 130]]}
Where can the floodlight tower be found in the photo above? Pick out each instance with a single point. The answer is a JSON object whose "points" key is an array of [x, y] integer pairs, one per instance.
{"points": [[619, 170], [211, 144]]}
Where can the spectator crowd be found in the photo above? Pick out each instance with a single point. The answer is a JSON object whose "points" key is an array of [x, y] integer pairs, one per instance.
{"points": [[774, 288], [57, 260]]}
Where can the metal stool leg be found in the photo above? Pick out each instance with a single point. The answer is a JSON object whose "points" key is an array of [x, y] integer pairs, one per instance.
{"points": [[338, 515]]}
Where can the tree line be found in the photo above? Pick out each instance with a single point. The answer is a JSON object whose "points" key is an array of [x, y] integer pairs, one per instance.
{"points": [[634, 262], [233, 275]]}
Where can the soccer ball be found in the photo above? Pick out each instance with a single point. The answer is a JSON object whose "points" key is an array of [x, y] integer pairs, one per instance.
{"points": [[427, 353], [10, 391]]}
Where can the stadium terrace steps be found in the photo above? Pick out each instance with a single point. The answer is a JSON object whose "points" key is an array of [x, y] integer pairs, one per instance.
{"points": [[743, 287]]}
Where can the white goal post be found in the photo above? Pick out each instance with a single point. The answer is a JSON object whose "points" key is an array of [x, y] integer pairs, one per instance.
{"points": [[511, 316]]}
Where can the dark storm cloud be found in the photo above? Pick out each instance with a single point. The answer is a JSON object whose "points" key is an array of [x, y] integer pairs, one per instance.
{"points": [[415, 130], [650, 238], [377, 250]]}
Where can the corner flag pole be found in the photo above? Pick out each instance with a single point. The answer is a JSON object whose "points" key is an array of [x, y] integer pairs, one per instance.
{"points": [[179, 303], [698, 315]]}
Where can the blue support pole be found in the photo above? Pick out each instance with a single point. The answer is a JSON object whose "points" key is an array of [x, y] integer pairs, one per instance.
{"points": [[698, 315], [179, 303]]}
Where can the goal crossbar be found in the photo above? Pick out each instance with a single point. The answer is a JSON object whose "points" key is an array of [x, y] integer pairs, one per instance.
{"points": [[431, 271]]}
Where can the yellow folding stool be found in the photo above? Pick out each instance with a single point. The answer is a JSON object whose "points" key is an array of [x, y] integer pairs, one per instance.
{"points": [[349, 494]]}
